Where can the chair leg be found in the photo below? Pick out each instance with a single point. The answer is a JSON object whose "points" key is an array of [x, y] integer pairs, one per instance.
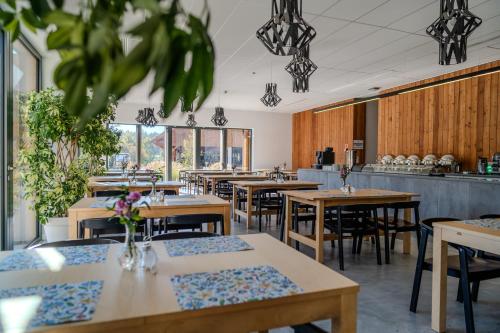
{"points": [[340, 240], [393, 240], [354, 243], [417, 279], [460, 294], [386, 238], [475, 290], [296, 224], [360, 243], [377, 248], [464, 277]]}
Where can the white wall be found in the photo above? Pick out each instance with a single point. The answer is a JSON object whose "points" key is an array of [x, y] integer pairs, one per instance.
{"points": [[272, 131]]}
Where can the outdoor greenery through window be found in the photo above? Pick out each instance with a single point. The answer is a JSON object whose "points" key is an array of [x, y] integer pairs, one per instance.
{"points": [[169, 149]]}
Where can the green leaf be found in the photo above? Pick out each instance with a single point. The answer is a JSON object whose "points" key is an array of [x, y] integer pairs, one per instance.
{"points": [[152, 5], [60, 18], [174, 85], [31, 20], [60, 38], [40, 7]]}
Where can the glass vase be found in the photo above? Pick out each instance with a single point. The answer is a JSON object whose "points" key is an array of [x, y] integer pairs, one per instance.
{"points": [[129, 257]]}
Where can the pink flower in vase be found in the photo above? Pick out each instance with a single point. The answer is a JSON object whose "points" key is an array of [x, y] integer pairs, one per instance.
{"points": [[133, 196]]}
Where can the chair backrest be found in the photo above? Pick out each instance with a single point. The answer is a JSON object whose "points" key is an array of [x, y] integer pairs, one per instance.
{"points": [[100, 226], [427, 224], [170, 192], [490, 216], [195, 218], [183, 235], [77, 242], [108, 193], [358, 211], [400, 206]]}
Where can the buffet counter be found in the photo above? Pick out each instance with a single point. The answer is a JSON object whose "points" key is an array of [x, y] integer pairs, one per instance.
{"points": [[455, 195]]}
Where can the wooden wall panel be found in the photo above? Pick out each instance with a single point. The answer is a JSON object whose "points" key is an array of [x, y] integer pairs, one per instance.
{"points": [[461, 118], [316, 131]]}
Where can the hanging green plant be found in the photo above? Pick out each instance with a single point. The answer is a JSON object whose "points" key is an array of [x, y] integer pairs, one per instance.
{"points": [[173, 46]]}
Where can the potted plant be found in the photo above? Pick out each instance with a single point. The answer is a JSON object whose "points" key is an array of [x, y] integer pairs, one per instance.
{"points": [[58, 156]]}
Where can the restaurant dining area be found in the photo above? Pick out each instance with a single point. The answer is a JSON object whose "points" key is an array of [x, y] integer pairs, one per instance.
{"points": [[238, 166]]}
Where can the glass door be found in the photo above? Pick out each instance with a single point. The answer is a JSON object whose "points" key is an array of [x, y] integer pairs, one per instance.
{"points": [[23, 72]]}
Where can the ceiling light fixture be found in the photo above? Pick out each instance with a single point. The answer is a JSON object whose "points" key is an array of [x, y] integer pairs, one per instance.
{"points": [[451, 30], [146, 117], [218, 119], [286, 31], [190, 122], [271, 98], [301, 68]]}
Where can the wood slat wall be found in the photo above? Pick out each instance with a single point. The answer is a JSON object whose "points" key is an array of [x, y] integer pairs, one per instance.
{"points": [[460, 118], [316, 131]]}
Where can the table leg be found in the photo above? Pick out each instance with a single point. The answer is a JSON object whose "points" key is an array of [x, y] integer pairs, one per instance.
{"points": [[235, 201], [320, 228], [407, 235], [288, 220], [205, 186], [73, 225], [439, 281], [227, 220], [345, 322], [249, 206], [176, 190]]}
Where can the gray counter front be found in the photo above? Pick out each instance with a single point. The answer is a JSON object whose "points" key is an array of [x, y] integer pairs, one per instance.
{"points": [[458, 197]]}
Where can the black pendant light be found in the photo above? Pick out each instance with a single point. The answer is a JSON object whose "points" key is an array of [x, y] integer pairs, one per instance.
{"points": [[218, 119], [451, 29], [271, 98], [146, 117], [190, 122], [301, 68], [286, 31]]}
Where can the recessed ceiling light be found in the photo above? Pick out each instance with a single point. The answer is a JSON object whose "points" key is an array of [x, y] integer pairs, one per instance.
{"points": [[374, 88]]}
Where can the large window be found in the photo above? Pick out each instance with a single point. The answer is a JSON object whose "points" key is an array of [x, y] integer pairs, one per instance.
{"points": [[238, 148], [171, 149], [210, 149], [182, 144], [129, 143], [153, 148], [24, 76]]}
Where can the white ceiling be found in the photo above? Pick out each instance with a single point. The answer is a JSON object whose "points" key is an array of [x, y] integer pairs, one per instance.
{"points": [[359, 44]]}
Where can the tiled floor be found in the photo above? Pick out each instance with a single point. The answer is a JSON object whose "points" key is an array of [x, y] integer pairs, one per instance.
{"points": [[383, 303]]}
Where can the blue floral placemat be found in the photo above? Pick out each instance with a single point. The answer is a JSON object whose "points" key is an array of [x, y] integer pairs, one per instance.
{"points": [[232, 286], [205, 245], [44, 257], [55, 304]]}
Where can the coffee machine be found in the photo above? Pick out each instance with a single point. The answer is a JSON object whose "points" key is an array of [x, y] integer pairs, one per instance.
{"points": [[326, 157]]}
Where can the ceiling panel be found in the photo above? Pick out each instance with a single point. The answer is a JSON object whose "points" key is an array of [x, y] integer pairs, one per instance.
{"points": [[392, 11], [352, 9]]}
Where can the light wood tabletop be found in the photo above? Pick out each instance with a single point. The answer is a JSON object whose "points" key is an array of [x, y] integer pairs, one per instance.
{"points": [[331, 198], [251, 186], [175, 205], [194, 176], [138, 186], [142, 302], [477, 234], [214, 179], [118, 178]]}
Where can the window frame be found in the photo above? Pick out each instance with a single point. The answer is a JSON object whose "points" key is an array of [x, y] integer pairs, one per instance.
{"points": [[6, 143], [196, 143]]}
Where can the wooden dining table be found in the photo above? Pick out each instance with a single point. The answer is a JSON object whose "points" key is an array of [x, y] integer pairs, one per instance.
{"points": [[215, 179], [139, 186], [334, 198], [477, 234], [251, 186], [194, 176], [143, 302], [87, 208]]}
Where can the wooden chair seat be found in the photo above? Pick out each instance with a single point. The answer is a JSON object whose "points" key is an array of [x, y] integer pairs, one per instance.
{"points": [[477, 266]]}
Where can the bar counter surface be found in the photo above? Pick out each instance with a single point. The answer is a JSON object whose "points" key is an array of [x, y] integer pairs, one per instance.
{"points": [[455, 195]]}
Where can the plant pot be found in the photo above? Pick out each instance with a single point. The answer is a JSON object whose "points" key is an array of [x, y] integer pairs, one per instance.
{"points": [[56, 229]]}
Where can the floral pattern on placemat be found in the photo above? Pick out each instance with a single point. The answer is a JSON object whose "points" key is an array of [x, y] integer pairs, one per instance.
{"points": [[485, 223], [232, 286], [206, 245], [56, 304], [67, 256]]}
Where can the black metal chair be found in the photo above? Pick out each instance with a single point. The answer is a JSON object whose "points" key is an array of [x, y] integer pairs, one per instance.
{"points": [[268, 201], [183, 235], [76, 242], [223, 189], [357, 221], [194, 221], [110, 228], [108, 193], [465, 266], [396, 223]]}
